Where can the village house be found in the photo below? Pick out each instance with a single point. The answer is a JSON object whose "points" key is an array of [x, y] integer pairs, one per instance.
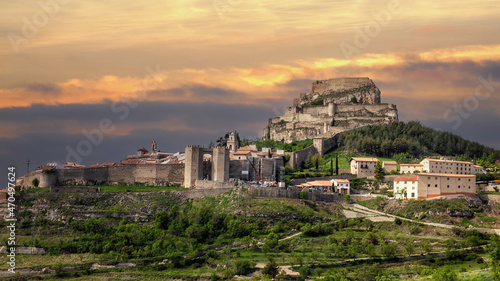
{"points": [[410, 168], [429, 185], [342, 186], [363, 167], [389, 166], [448, 167]]}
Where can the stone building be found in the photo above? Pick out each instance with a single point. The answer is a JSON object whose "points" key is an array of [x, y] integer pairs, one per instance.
{"points": [[389, 166], [333, 106], [363, 167], [430, 185], [410, 168], [449, 166]]}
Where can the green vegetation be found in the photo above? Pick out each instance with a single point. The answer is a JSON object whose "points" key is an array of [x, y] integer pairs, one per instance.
{"points": [[220, 236], [417, 141], [317, 102]]}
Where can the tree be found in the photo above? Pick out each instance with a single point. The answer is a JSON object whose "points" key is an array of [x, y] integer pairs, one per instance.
{"points": [[409, 247], [495, 257], [379, 171], [271, 269], [354, 100]]}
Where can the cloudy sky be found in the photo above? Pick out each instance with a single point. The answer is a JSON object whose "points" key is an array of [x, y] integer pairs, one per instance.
{"points": [[93, 81]]}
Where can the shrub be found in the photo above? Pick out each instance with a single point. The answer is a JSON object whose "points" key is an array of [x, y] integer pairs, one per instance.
{"points": [[244, 267], [35, 182], [303, 194]]}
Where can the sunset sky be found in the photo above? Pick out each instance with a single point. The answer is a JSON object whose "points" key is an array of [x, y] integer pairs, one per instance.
{"points": [[187, 72]]}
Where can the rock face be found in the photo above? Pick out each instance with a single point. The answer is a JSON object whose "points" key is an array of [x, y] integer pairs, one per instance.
{"points": [[332, 106]]}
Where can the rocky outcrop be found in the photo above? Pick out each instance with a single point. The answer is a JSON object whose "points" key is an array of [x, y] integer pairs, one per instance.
{"points": [[331, 107]]}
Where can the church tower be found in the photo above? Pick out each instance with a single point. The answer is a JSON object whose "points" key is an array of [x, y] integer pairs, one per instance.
{"points": [[232, 142]]}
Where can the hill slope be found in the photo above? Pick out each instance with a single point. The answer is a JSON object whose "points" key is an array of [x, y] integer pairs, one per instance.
{"points": [[417, 141]]}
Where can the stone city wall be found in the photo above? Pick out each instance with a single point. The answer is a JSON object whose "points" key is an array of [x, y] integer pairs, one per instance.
{"points": [[294, 194], [340, 84], [149, 174]]}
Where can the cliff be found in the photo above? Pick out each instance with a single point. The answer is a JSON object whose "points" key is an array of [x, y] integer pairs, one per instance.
{"points": [[332, 106]]}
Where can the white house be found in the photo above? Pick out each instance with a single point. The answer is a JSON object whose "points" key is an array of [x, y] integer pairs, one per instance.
{"points": [[342, 186]]}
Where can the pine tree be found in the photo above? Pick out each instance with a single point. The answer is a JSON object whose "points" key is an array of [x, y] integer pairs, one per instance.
{"points": [[379, 171]]}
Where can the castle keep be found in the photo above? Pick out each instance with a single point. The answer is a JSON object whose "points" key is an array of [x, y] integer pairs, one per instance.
{"points": [[332, 106]]}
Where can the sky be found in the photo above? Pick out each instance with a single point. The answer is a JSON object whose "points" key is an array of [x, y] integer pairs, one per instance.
{"points": [[94, 81]]}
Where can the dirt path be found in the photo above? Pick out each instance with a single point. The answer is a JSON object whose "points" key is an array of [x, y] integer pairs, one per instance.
{"points": [[358, 211]]}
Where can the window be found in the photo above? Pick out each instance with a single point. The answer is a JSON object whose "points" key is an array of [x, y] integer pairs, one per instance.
{"points": [[459, 186], [448, 179], [435, 185], [458, 179], [448, 186], [428, 178], [428, 185], [412, 195], [436, 178]]}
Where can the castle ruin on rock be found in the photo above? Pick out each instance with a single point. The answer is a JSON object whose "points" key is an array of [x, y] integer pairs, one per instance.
{"points": [[333, 106]]}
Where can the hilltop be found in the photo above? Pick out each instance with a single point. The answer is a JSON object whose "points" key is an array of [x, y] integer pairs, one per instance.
{"points": [[332, 106]]}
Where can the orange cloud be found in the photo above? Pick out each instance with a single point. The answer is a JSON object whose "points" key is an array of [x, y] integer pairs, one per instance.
{"points": [[433, 28]]}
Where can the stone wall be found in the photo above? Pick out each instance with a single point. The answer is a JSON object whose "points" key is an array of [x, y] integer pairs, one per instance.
{"points": [[300, 156], [209, 184], [340, 84], [148, 174], [294, 194]]}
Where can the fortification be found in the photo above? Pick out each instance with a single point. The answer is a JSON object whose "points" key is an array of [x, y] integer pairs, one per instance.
{"points": [[194, 169], [332, 106]]}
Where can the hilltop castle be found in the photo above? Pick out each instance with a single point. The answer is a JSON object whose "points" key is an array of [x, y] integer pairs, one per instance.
{"points": [[333, 106]]}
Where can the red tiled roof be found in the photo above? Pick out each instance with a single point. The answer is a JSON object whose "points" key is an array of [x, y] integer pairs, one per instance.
{"points": [[342, 180], [364, 159], [247, 148], [411, 165], [402, 178]]}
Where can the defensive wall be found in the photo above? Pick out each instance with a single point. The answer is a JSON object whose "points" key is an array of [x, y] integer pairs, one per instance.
{"points": [[319, 146], [295, 194], [148, 174], [339, 84]]}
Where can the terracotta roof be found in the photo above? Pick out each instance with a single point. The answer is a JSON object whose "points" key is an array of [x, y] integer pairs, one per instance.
{"points": [[402, 178], [142, 149], [241, 152], [364, 159], [411, 165], [247, 148], [390, 162], [445, 175], [449, 161], [341, 180], [317, 183]]}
